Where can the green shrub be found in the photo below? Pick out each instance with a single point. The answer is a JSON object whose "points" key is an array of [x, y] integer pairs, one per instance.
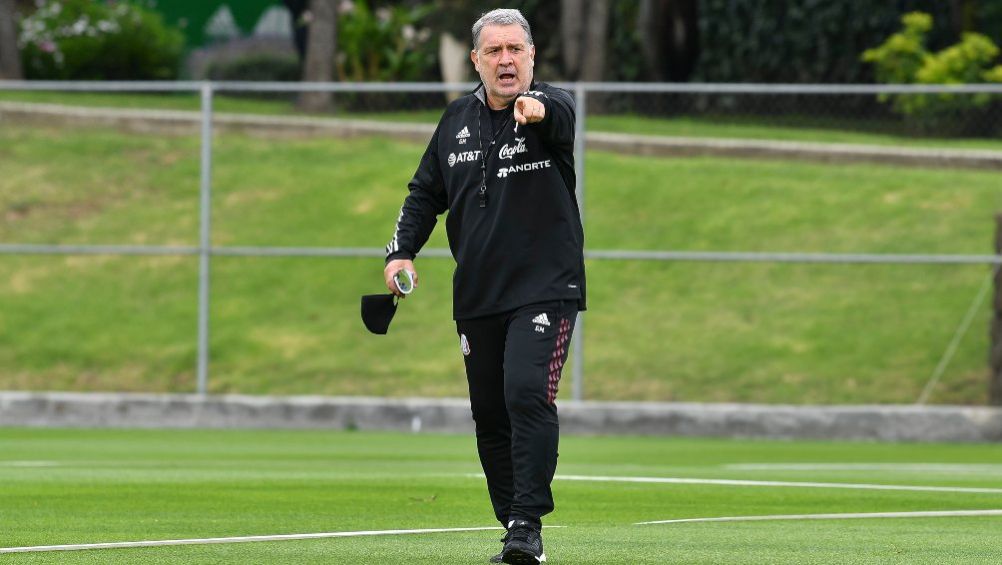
{"points": [[387, 44], [90, 40], [801, 41], [904, 59], [260, 67], [263, 67], [898, 60]]}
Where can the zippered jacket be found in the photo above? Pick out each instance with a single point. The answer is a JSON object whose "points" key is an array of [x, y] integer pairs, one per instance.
{"points": [[513, 225]]}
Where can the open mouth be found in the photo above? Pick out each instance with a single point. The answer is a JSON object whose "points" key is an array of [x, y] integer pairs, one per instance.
{"points": [[506, 78]]}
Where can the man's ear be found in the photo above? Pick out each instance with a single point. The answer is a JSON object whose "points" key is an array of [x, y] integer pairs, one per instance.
{"points": [[473, 57]]}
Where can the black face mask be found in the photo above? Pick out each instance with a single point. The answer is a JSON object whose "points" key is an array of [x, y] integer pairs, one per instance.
{"points": [[378, 311]]}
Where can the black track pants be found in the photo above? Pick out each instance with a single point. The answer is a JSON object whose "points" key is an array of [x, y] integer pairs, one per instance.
{"points": [[513, 365]]}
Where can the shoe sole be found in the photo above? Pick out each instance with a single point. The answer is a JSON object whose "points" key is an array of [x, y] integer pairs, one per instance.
{"points": [[519, 557]]}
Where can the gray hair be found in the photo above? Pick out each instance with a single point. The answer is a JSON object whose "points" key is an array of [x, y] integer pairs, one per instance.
{"points": [[500, 17]]}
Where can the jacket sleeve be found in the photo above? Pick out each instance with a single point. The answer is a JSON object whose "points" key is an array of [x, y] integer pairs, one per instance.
{"points": [[557, 126], [426, 200]]}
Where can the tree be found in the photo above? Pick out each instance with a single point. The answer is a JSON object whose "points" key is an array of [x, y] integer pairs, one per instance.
{"points": [[669, 31], [584, 25], [10, 57], [321, 45], [296, 10]]}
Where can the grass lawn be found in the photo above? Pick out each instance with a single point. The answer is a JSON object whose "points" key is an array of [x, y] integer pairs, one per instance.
{"points": [[794, 127], [655, 331], [90, 486]]}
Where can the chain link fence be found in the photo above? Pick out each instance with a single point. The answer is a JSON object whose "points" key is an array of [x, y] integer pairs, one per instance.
{"points": [[860, 208]]}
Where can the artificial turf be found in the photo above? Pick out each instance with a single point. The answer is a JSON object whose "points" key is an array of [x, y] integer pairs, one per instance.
{"points": [[88, 486]]}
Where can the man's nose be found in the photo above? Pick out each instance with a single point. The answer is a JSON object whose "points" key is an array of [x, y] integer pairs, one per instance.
{"points": [[506, 58]]}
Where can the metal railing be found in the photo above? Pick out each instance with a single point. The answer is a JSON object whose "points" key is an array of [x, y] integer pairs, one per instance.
{"points": [[205, 250]]}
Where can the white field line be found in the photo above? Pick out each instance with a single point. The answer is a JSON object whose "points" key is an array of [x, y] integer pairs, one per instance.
{"points": [[848, 516], [242, 539], [28, 464], [972, 468], [795, 484]]}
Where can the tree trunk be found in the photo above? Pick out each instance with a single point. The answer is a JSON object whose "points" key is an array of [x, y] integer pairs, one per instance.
{"points": [[651, 28], [296, 10], [584, 25], [321, 46], [571, 35], [669, 31], [10, 57], [596, 30]]}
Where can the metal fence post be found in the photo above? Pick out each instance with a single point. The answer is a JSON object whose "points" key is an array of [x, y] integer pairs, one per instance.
{"points": [[204, 245], [995, 331], [577, 340]]}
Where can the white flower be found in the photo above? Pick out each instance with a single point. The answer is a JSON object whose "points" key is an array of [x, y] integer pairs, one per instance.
{"points": [[107, 26], [80, 26], [408, 32]]}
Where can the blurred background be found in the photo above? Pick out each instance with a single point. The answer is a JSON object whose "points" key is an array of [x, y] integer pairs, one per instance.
{"points": [[720, 133]]}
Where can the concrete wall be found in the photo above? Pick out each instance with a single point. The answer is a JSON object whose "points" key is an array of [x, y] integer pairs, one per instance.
{"points": [[876, 423]]}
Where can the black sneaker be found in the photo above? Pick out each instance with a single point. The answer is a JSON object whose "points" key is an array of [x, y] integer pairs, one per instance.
{"points": [[524, 545], [504, 540]]}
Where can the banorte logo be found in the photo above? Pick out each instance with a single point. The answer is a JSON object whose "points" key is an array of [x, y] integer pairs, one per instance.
{"points": [[503, 172]]}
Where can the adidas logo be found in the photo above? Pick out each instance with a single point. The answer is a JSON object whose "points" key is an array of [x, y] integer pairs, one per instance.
{"points": [[464, 133], [541, 320]]}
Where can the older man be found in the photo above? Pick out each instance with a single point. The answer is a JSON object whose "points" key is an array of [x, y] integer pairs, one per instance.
{"points": [[501, 162]]}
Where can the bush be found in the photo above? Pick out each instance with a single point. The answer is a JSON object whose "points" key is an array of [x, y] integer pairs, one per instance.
{"points": [[801, 41], [904, 59], [258, 67], [88, 40], [387, 44], [262, 67]]}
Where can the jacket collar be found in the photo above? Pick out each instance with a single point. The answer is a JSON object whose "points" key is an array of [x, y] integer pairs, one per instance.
{"points": [[481, 91]]}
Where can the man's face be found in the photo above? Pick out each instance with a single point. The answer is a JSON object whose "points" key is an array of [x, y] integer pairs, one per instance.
{"points": [[504, 61]]}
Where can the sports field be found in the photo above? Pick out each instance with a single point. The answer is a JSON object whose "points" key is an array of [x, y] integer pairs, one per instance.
{"points": [[94, 486]]}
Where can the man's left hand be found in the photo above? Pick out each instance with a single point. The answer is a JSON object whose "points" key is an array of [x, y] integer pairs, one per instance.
{"points": [[528, 110]]}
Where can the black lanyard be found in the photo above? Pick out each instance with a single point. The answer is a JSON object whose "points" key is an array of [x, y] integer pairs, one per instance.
{"points": [[483, 154]]}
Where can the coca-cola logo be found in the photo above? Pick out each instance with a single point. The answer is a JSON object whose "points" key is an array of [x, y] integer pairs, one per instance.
{"points": [[509, 152]]}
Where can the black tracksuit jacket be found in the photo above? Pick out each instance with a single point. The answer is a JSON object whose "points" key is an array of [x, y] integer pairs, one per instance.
{"points": [[519, 240]]}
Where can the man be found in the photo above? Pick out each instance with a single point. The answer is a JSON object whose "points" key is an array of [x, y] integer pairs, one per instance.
{"points": [[501, 162]]}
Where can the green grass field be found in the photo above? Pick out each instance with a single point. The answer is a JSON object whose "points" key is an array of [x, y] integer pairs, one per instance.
{"points": [[655, 331], [91, 486]]}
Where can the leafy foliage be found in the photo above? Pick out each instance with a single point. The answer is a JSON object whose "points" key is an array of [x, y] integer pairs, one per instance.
{"points": [[86, 40], [266, 67], [904, 59], [387, 43], [800, 40]]}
